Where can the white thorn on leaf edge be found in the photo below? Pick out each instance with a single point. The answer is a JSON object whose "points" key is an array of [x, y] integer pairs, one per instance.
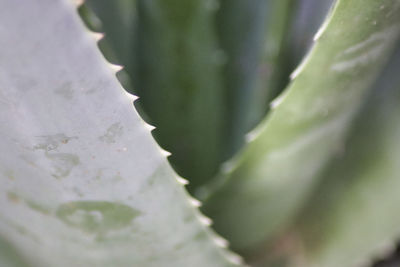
{"points": [[321, 30], [297, 70], [325, 24], [277, 101], [131, 97], [205, 220], [302, 64], [78, 3], [228, 167], [97, 36], [151, 128], [182, 181], [195, 203], [221, 242], [116, 68], [249, 137], [165, 153], [235, 259], [253, 134]]}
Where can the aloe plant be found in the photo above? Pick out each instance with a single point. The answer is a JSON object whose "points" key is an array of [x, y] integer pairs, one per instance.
{"points": [[84, 183]]}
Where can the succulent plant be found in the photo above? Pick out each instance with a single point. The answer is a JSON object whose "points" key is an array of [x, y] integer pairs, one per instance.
{"points": [[286, 163]]}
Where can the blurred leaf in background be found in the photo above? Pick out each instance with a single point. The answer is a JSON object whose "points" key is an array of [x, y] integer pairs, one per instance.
{"points": [[178, 78], [355, 209], [267, 184], [207, 72]]}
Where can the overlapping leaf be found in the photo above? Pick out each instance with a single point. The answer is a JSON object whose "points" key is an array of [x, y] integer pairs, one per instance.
{"points": [[353, 218], [263, 189]]}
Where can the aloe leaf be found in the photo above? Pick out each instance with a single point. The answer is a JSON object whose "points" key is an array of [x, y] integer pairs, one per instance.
{"points": [[179, 83], [263, 188], [241, 27], [353, 219], [252, 34], [276, 51], [82, 181], [308, 18], [289, 33]]}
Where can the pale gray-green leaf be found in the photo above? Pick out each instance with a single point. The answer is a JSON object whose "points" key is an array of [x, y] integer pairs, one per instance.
{"points": [[82, 181]]}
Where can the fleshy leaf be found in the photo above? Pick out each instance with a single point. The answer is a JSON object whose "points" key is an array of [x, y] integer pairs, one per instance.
{"points": [[307, 21], [241, 27], [277, 54], [354, 217], [82, 181], [178, 79], [262, 190]]}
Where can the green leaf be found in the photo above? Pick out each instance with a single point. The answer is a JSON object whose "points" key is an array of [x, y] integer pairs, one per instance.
{"points": [[241, 31], [252, 33], [276, 57], [309, 16], [264, 187], [9, 257], [290, 27], [82, 181], [354, 217], [179, 83]]}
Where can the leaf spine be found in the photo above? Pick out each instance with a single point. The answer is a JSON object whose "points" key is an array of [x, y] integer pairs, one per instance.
{"points": [[194, 202], [221, 242], [205, 220], [97, 36], [182, 181], [115, 68]]}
